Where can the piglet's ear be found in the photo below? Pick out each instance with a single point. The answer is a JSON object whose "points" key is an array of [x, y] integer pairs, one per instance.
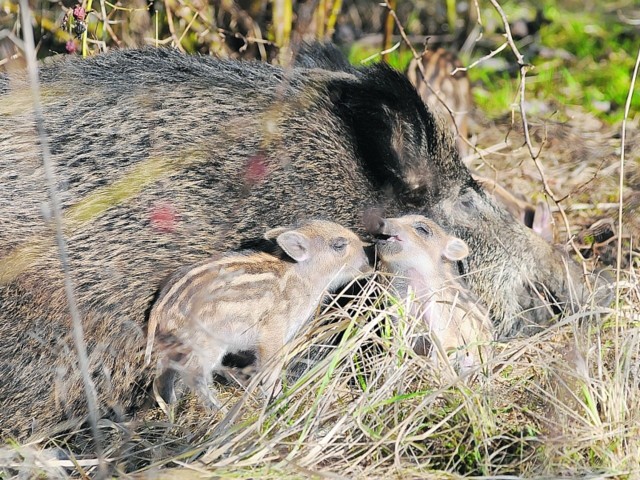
{"points": [[274, 233], [455, 250], [295, 244]]}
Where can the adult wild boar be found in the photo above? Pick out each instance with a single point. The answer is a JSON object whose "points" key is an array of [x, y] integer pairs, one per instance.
{"points": [[163, 159]]}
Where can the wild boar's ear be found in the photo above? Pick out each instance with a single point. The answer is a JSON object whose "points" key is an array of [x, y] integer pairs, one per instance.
{"points": [[366, 107], [367, 129], [543, 221], [274, 232], [295, 244], [456, 249], [322, 55]]}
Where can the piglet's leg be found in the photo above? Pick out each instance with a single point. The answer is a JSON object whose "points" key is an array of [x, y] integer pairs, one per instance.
{"points": [[271, 348], [438, 323], [197, 375], [163, 384]]}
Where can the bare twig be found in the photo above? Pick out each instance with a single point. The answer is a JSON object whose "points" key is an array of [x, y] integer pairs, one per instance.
{"points": [[524, 68], [188, 27], [56, 208], [491, 54], [14, 39], [107, 25], [478, 19], [249, 23], [86, 32], [417, 56], [388, 30], [393, 48], [172, 28]]}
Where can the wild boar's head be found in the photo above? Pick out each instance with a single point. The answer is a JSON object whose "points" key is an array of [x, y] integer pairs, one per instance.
{"points": [[411, 155]]}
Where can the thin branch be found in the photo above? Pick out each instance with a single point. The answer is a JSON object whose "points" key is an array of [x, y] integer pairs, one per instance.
{"points": [[491, 54], [478, 19], [524, 68], [417, 56], [107, 25], [85, 34], [14, 39], [388, 30], [382, 53], [186, 30], [78, 334]]}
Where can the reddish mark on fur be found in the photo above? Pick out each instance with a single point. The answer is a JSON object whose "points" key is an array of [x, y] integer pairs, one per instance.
{"points": [[71, 46], [256, 169], [163, 218]]}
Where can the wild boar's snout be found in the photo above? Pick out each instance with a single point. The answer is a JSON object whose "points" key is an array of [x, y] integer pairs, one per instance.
{"points": [[524, 280]]}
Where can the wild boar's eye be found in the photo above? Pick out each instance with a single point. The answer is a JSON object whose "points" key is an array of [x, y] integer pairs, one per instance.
{"points": [[422, 229], [467, 204], [466, 199], [339, 244]]}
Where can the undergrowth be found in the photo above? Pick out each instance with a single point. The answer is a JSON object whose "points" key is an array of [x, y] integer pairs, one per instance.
{"points": [[563, 402]]}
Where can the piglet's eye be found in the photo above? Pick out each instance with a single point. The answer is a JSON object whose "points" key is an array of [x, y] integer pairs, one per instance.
{"points": [[339, 244], [423, 229]]}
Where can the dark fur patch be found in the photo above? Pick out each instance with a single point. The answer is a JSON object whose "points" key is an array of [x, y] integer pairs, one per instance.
{"points": [[396, 136]]}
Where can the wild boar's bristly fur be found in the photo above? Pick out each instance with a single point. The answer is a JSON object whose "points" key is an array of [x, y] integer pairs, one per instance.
{"points": [[397, 156], [163, 159]]}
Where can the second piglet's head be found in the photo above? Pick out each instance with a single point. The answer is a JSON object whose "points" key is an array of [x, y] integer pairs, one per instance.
{"points": [[323, 250], [413, 242]]}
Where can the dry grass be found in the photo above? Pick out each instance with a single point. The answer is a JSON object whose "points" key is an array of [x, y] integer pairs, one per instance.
{"points": [[564, 402]]}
